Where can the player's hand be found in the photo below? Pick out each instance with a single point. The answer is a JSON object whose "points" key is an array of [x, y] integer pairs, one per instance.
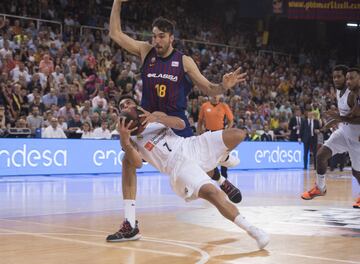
{"points": [[148, 117], [233, 78], [332, 119], [124, 129]]}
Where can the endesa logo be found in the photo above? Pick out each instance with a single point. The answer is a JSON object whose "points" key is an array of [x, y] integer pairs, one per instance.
{"points": [[24, 157], [278, 155]]}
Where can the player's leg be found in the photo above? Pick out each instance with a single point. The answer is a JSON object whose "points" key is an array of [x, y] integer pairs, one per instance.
{"points": [[335, 144], [233, 137], [224, 171], [210, 193], [356, 174], [306, 154], [354, 154], [190, 182], [129, 229], [231, 190]]}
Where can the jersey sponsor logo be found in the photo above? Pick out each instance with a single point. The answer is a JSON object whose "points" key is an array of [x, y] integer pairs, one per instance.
{"points": [[174, 64], [149, 146], [155, 139], [163, 76]]}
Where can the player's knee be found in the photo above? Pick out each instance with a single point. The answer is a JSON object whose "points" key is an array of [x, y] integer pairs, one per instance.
{"points": [[241, 134], [233, 137], [323, 154], [208, 192]]}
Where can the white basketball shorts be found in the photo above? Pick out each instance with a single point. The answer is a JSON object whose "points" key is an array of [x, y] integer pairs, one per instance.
{"points": [[195, 157], [340, 141]]}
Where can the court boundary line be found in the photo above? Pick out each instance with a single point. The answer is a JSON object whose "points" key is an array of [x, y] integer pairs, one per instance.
{"points": [[204, 255], [188, 242]]}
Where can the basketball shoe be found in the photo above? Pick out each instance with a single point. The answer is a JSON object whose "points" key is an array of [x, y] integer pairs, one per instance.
{"points": [[357, 203], [262, 238], [126, 233], [314, 192], [231, 191]]}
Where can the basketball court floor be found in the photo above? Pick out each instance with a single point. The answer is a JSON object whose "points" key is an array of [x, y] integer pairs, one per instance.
{"points": [[65, 219]]}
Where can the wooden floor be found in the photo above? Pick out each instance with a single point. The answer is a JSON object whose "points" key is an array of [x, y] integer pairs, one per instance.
{"points": [[66, 219]]}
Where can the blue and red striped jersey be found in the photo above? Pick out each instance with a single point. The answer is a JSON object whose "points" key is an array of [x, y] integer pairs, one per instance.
{"points": [[166, 86]]}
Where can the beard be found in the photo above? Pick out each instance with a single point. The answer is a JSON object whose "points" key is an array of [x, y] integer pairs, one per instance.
{"points": [[162, 50]]}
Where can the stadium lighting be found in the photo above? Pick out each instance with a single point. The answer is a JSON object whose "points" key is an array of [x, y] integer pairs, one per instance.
{"points": [[351, 24]]}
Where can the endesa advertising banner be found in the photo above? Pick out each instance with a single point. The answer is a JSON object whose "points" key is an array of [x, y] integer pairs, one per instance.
{"points": [[324, 9], [64, 156]]}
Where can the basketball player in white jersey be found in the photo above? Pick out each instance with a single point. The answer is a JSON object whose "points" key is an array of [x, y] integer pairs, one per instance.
{"points": [[347, 137], [186, 161]]}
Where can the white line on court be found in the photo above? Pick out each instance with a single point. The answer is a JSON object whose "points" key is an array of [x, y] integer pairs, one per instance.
{"points": [[317, 225], [93, 243], [204, 255], [187, 242]]}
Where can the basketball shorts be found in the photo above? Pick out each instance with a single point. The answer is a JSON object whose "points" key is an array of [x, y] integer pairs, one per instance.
{"points": [[340, 141], [195, 157]]}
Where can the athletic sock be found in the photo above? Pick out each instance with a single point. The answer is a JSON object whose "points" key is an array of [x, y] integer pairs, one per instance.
{"points": [[320, 181], [221, 179], [129, 208], [242, 223]]}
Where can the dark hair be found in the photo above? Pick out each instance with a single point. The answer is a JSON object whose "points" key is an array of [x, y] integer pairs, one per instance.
{"points": [[127, 97], [354, 69], [343, 68], [164, 25]]}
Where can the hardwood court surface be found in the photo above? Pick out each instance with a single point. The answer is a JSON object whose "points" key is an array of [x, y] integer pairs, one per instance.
{"points": [[66, 219]]}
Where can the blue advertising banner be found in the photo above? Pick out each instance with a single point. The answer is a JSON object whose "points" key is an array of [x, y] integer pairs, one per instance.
{"points": [[63, 156]]}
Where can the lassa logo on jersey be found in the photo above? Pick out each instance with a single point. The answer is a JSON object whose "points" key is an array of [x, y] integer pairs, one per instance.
{"points": [[163, 76]]}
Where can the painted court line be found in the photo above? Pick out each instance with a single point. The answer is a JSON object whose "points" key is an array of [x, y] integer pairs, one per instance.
{"points": [[204, 255], [187, 242], [92, 243]]}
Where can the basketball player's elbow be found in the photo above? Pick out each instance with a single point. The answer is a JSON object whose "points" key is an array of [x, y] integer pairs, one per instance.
{"points": [[137, 162], [180, 124]]}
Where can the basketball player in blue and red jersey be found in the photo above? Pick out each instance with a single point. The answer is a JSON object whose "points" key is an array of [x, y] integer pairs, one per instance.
{"points": [[168, 76]]}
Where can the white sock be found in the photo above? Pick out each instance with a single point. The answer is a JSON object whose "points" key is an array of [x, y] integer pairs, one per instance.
{"points": [[320, 181], [129, 208], [242, 223], [221, 179]]}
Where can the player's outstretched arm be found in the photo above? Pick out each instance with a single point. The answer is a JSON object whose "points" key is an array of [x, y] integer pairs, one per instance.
{"points": [[139, 48], [229, 80], [161, 117]]}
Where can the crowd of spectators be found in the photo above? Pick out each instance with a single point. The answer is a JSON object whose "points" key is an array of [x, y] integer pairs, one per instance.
{"points": [[72, 82]]}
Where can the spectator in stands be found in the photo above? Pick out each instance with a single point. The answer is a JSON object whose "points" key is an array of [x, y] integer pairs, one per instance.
{"points": [[86, 130], [294, 125], [46, 65], [95, 120], [53, 131], [102, 132], [62, 123], [96, 100], [75, 123], [34, 120], [50, 98], [266, 136], [67, 112], [2, 117]]}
